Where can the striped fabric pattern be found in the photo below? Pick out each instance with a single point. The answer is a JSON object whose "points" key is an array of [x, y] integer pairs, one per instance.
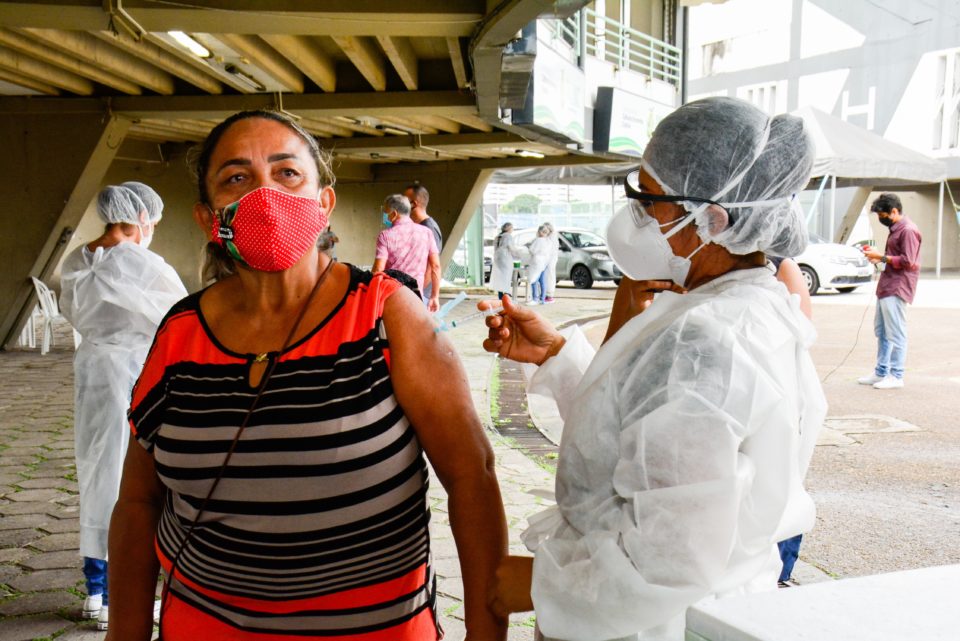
{"points": [[319, 526]]}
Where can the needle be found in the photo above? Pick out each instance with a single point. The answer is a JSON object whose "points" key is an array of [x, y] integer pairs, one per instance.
{"points": [[446, 326]]}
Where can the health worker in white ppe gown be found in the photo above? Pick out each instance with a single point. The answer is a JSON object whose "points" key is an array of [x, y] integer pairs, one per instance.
{"points": [[688, 434], [115, 292]]}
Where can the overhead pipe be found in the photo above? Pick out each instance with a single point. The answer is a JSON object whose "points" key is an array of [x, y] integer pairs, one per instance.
{"points": [[114, 8]]}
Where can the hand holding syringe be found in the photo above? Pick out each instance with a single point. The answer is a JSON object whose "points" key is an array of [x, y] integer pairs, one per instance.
{"points": [[440, 315]]}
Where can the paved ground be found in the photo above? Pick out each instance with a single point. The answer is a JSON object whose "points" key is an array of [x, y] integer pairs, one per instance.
{"points": [[887, 486]]}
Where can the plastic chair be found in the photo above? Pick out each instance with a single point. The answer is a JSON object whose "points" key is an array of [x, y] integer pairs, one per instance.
{"points": [[28, 336], [49, 312]]}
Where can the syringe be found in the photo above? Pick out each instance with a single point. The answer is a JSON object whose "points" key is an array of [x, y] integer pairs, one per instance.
{"points": [[445, 325], [493, 311]]}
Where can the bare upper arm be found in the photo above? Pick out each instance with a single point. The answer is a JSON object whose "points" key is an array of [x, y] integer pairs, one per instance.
{"points": [[790, 275], [140, 482], [431, 386], [378, 265]]}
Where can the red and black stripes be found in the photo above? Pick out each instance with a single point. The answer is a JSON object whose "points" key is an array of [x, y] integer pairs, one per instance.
{"points": [[319, 526]]}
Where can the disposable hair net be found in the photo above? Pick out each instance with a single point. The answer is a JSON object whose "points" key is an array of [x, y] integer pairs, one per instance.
{"points": [[117, 204], [727, 150], [150, 199]]}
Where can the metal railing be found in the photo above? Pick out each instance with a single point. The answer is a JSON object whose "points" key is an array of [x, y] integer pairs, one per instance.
{"points": [[621, 45]]}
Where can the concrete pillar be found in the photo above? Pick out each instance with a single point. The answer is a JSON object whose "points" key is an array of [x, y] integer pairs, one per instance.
{"points": [[474, 238], [51, 166], [857, 202]]}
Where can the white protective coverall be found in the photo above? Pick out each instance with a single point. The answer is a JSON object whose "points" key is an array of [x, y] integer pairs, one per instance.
{"points": [[684, 449], [115, 297], [539, 257], [501, 272], [552, 263]]}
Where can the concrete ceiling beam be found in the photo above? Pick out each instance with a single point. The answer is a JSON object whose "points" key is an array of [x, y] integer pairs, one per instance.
{"points": [[449, 104], [439, 141], [160, 133], [474, 122], [408, 124], [28, 83], [265, 58], [401, 55], [353, 124], [96, 53], [403, 171], [183, 126], [486, 48], [206, 66], [307, 55], [326, 127], [366, 57], [155, 55], [456, 58], [419, 18], [439, 122], [18, 63]]}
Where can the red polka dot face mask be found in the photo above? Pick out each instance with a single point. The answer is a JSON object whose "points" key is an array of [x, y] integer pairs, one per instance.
{"points": [[269, 230]]}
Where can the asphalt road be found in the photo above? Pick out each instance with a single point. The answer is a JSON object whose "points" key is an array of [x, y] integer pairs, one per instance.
{"points": [[888, 501]]}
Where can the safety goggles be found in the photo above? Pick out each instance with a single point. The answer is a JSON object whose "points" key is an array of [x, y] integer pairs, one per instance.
{"points": [[645, 200]]}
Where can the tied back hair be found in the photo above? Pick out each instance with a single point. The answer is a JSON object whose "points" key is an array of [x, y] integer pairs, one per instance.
{"points": [[217, 263]]}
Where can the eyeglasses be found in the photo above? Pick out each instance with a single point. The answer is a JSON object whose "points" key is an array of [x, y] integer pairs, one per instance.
{"points": [[646, 199]]}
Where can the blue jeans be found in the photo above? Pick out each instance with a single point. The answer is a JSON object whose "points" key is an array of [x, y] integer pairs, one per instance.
{"points": [[539, 287], [890, 326], [95, 572], [789, 551]]}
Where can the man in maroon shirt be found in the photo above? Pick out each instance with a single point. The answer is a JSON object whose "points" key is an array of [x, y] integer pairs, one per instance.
{"points": [[898, 284]]}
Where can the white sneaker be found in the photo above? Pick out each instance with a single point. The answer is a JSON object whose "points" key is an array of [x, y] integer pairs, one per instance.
{"points": [[103, 619], [91, 606], [890, 382], [869, 380]]}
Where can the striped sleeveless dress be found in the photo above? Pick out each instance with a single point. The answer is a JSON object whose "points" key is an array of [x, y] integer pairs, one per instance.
{"points": [[319, 526]]}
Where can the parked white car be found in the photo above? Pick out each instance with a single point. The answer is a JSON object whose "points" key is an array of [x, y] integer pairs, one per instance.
{"points": [[827, 265]]}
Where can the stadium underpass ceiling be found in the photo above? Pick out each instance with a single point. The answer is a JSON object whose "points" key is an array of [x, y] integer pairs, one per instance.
{"points": [[377, 81]]}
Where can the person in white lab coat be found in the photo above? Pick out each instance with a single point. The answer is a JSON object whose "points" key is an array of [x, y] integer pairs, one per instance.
{"points": [[505, 252], [115, 292], [536, 268], [688, 434]]}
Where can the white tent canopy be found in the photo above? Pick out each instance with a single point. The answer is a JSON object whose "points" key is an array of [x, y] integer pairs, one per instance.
{"points": [[848, 155], [860, 157]]}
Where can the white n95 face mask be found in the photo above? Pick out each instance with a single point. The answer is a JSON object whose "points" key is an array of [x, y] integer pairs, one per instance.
{"points": [[640, 249], [146, 239]]}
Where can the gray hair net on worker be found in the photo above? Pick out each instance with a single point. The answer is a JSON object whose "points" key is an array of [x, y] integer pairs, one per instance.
{"points": [[728, 151], [151, 199], [123, 204]]}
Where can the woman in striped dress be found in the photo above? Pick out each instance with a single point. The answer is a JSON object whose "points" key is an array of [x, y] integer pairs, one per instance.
{"points": [[305, 516]]}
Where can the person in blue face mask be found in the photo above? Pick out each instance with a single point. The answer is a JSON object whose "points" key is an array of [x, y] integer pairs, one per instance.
{"points": [[409, 248], [688, 434]]}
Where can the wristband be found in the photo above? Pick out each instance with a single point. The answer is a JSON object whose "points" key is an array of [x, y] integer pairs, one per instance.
{"points": [[883, 259]]}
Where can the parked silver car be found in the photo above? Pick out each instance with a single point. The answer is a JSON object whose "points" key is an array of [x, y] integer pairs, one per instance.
{"points": [[583, 256]]}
